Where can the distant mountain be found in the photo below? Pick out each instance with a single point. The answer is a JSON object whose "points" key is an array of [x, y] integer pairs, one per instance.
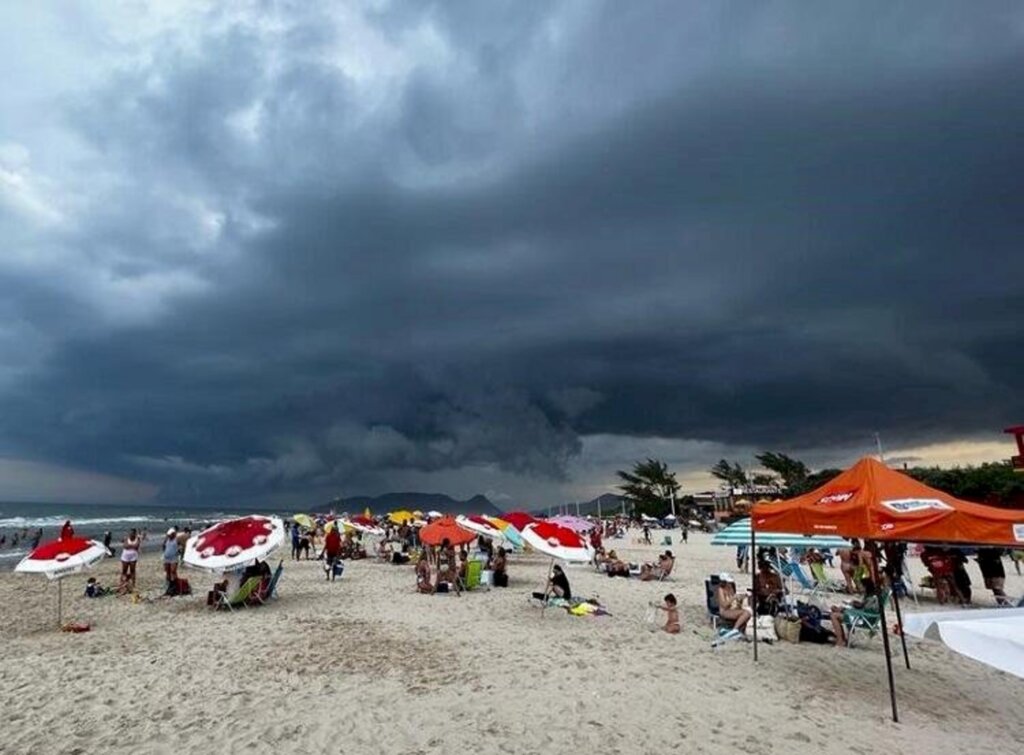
{"points": [[606, 504], [382, 504]]}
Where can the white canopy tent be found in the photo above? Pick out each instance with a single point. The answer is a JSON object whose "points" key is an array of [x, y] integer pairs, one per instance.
{"points": [[994, 636]]}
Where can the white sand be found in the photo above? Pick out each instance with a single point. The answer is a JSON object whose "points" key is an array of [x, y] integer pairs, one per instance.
{"points": [[366, 664]]}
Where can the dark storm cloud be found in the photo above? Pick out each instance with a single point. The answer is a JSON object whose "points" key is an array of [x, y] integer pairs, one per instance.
{"points": [[787, 231]]}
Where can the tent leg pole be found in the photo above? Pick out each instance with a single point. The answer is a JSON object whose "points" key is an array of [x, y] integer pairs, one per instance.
{"points": [[60, 601], [885, 632], [888, 663], [899, 621], [753, 582]]}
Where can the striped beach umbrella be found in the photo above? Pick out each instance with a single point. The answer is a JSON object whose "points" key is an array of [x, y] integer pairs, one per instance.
{"points": [[738, 533]]}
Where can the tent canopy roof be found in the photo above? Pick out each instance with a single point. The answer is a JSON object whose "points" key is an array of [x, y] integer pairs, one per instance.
{"points": [[873, 502]]}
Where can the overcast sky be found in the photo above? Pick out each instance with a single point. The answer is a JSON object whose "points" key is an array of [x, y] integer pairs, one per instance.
{"points": [[282, 251]]}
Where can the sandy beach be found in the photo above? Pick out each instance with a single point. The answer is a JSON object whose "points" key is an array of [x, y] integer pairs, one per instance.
{"points": [[366, 664]]}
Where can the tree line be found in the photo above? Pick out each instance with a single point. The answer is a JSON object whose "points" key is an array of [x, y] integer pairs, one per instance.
{"points": [[650, 485]]}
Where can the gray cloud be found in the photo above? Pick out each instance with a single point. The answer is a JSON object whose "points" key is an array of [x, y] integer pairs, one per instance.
{"points": [[334, 247]]}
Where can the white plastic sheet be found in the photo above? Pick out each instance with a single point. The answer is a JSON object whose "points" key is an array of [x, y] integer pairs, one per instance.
{"points": [[994, 637]]}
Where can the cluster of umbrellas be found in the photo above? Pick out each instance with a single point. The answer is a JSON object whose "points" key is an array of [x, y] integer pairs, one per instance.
{"points": [[224, 547], [235, 543]]}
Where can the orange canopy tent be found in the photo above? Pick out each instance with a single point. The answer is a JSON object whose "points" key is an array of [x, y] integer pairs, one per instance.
{"points": [[873, 502]]}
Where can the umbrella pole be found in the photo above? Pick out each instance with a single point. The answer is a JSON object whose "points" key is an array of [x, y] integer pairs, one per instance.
{"points": [[60, 601], [885, 634], [547, 588], [753, 582]]}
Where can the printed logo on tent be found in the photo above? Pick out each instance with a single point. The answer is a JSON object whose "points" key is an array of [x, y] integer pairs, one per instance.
{"points": [[1018, 533], [840, 497], [909, 505]]}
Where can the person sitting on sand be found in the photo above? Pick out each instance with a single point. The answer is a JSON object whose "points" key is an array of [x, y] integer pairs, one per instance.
{"points": [[768, 585], [730, 605], [671, 609], [558, 584], [93, 589], [499, 564], [616, 567], [650, 572], [384, 550], [839, 614], [423, 581]]}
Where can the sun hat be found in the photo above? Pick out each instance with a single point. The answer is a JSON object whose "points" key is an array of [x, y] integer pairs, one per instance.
{"points": [[171, 531]]}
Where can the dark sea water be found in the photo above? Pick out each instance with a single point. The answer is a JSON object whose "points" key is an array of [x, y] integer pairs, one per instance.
{"points": [[93, 520]]}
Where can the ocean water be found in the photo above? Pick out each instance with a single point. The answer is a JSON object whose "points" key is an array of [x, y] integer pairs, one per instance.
{"points": [[22, 520]]}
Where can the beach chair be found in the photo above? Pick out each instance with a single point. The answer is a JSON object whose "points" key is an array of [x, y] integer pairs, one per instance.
{"points": [[240, 598], [795, 573], [473, 571], [824, 583], [718, 624], [262, 596], [857, 619]]}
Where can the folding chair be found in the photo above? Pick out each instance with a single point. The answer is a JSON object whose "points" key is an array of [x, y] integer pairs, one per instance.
{"points": [[866, 621], [240, 598], [262, 596]]}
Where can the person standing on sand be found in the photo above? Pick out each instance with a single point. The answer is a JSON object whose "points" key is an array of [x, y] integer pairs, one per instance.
{"points": [[332, 550], [849, 560], [36, 538], [129, 558], [171, 556], [423, 582], [183, 538]]}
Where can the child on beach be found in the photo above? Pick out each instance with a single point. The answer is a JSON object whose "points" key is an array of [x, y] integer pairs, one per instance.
{"points": [[671, 609]]}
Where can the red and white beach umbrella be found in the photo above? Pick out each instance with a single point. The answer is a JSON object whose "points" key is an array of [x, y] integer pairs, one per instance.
{"points": [[60, 558], [479, 526], [234, 543], [363, 524], [557, 541]]}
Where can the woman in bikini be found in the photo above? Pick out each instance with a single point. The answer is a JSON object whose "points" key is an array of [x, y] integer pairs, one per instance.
{"points": [[730, 605]]}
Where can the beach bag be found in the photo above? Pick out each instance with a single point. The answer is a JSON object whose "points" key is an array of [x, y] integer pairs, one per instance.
{"points": [[339, 568], [787, 629], [766, 628]]}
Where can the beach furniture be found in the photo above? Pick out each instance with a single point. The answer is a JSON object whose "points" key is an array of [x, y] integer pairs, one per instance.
{"points": [[857, 619], [240, 598], [262, 596], [473, 571], [723, 628]]}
